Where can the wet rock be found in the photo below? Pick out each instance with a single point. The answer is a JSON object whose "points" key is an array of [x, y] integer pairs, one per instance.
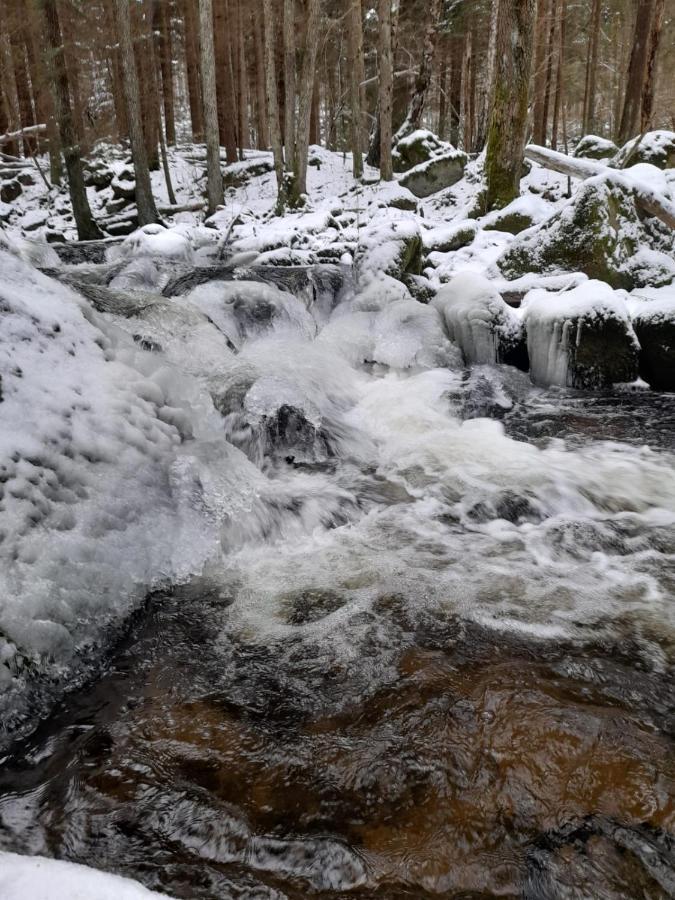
{"points": [[311, 606], [654, 325], [593, 147], [10, 190], [601, 233], [477, 319], [580, 338], [437, 174], [74, 253], [507, 505]]}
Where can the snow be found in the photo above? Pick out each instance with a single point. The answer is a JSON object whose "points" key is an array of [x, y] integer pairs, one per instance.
{"points": [[157, 241], [38, 878]]}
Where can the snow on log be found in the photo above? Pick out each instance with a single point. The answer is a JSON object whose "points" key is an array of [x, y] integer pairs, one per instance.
{"points": [[650, 200], [21, 133]]}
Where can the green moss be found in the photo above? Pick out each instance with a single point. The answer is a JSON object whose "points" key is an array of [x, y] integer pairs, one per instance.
{"points": [[513, 223], [603, 354]]}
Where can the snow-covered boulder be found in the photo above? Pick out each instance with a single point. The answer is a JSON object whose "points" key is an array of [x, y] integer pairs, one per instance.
{"points": [[436, 174], [158, 242], [654, 324], [447, 238], [477, 319], [10, 190], [593, 147], [390, 246], [38, 878], [581, 338], [654, 147], [601, 233], [417, 147], [522, 213], [124, 185]]}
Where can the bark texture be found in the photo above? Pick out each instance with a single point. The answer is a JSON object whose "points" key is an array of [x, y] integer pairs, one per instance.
{"points": [[214, 178]]}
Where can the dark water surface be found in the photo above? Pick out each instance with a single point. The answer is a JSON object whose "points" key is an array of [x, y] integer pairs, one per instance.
{"points": [[483, 763]]}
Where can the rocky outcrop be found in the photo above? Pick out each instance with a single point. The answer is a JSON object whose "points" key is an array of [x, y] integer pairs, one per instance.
{"points": [[655, 147], [654, 324], [601, 233], [593, 147]]}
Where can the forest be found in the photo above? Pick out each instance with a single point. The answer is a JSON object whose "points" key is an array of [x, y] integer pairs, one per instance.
{"points": [[337, 449]]}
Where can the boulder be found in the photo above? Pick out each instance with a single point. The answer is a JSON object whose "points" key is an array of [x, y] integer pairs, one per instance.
{"points": [[124, 185], [486, 330], [239, 174], [654, 324], [5, 212], [654, 147], [417, 147], [392, 247], [593, 147], [601, 233], [447, 238], [98, 175], [436, 174], [581, 338], [34, 219], [27, 179], [10, 190]]}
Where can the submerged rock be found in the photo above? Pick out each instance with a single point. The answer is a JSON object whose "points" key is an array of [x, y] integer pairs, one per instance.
{"points": [[601, 233], [478, 320], [580, 338]]}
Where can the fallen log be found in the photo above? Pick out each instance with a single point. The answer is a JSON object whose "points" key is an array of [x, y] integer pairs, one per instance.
{"points": [[646, 197], [21, 133]]}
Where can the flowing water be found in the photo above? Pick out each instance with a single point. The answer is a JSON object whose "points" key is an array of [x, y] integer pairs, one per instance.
{"points": [[434, 658]]}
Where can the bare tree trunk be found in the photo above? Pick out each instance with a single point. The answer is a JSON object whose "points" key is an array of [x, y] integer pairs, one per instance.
{"points": [[145, 203], [456, 57], [442, 125], [413, 119], [559, 81], [273, 101], [26, 117], [298, 187], [647, 109], [637, 69], [166, 66], [540, 39], [262, 128], [386, 90], [465, 110], [225, 93], [355, 46], [508, 125], [485, 111], [242, 58], [147, 76], [289, 83], [552, 18], [192, 70], [214, 177], [6, 119], [592, 68], [315, 116], [86, 227]]}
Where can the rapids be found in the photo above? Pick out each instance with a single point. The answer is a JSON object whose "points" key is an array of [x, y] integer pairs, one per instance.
{"points": [[432, 655]]}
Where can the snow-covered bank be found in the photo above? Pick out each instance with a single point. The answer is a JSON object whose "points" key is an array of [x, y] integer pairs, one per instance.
{"points": [[37, 878]]}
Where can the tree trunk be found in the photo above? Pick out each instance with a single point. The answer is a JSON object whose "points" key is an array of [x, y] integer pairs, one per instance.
{"points": [[637, 69], [145, 203], [315, 116], [166, 66], [592, 69], [262, 116], [23, 91], [273, 101], [552, 18], [289, 83], [560, 67], [225, 93], [485, 111], [540, 43], [355, 46], [413, 119], [86, 227], [508, 124], [8, 87], [242, 78], [214, 177], [647, 109], [386, 89], [192, 70], [465, 110], [147, 76], [298, 185], [456, 57]]}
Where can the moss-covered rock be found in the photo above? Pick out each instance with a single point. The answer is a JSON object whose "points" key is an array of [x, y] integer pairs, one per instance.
{"points": [[418, 147], [436, 174], [654, 326], [593, 147], [394, 248], [599, 232], [654, 147], [239, 174], [513, 223], [448, 238]]}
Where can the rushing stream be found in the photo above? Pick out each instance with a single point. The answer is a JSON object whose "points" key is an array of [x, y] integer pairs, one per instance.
{"points": [[434, 658]]}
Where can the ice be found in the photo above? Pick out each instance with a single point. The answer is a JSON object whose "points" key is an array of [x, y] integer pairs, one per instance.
{"points": [[39, 878], [158, 242]]}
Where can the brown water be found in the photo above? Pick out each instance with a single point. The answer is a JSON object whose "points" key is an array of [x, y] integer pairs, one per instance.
{"points": [[488, 767]]}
